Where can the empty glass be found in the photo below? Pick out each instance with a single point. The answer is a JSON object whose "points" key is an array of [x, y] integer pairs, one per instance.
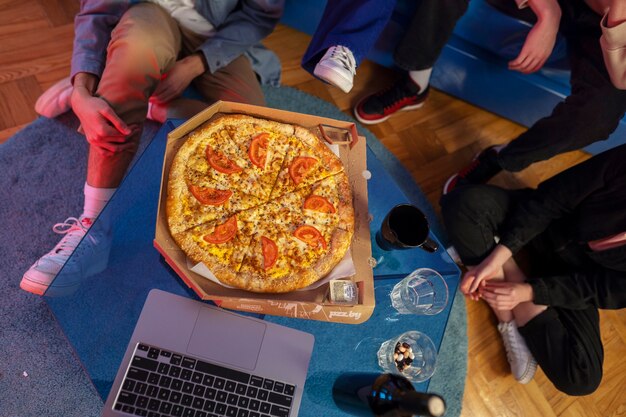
{"points": [[412, 354], [424, 291]]}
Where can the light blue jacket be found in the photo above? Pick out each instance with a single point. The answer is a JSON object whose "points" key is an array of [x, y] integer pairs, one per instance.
{"points": [[240, 26]]}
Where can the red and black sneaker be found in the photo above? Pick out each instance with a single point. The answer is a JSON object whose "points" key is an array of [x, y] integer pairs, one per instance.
{"points": [[403, 95], [484, 166]]}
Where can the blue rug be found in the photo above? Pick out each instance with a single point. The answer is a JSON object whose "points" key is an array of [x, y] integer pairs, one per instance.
{"points": [[43, 169]]}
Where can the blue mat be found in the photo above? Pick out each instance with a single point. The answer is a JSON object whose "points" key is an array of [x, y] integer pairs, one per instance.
{"points": [[43, 169]]}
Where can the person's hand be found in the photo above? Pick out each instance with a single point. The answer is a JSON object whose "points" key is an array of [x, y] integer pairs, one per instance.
{"points": [[489, 268], [99, 122], [502, 295], [179, 78], [541, 38]]}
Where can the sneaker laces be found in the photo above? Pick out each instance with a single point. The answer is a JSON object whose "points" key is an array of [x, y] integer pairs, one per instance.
{"points": [[512, 348], [74, 230], [344, 56]]}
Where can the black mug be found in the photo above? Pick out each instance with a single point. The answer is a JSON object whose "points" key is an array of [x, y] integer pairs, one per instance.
{"points": [[405, 227]]}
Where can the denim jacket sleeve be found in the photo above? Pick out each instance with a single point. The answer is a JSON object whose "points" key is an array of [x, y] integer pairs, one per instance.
{"points": [[92, 32], [241, 33]]}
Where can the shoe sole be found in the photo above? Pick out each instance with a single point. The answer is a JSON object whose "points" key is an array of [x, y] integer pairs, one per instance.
{"points": [[332, 77], [529, 373], [57, 289], [382, 119], [448, 182]]}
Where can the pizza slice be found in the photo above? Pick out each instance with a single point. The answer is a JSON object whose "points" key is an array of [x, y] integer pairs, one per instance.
{"points": [[305, 164], [201, 199], [264, 144], [216, 155], [219, 244]]}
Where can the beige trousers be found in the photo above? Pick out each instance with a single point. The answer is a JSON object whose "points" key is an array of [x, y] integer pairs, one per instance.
{"points": [[144, 45]]}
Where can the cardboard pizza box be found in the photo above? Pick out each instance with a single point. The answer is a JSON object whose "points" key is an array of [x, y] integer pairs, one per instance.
{"points": [[311, 304]]}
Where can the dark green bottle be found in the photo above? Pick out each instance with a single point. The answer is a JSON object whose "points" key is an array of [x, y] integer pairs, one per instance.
{"points": [[384, 395]]}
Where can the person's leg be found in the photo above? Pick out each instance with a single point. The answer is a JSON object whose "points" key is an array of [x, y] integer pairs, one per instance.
{"points": [[472, 216], [144, 43], [353, 24], [428, 31], [568, 347], [589, 114], [430, 28]]}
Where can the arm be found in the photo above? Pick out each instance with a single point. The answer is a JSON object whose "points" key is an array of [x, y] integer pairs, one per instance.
{"points": [[599, 287], [613, 42], [541, 38], [562, 194], [488, 269], [245, 27]]}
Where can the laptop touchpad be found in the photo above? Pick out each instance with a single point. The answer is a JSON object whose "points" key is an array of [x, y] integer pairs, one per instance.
{"points": [[228, 338]]}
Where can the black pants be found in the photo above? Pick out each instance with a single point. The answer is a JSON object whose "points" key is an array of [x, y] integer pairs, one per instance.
{"points": [[566, 343], [589, 114]]}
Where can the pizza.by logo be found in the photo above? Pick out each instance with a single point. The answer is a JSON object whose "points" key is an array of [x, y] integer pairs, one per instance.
{"points": [[350, 314], [251, 307]]}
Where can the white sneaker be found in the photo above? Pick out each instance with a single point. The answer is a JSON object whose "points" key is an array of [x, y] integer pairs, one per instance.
{"points": [[56, 99], [523, 364], [90, 258], [337, 67]]}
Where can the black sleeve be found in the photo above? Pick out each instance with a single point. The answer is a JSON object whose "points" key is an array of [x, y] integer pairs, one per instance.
{"points": [[560, 195], [600, 287]]}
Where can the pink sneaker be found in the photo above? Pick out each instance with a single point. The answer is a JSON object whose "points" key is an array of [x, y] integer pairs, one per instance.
{"points": [[55, 100]]}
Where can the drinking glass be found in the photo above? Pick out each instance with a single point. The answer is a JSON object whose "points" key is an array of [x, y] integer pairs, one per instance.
{"points": [[412, 354], [424, 291]]}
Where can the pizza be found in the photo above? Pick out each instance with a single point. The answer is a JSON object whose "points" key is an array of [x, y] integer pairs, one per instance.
{"points": [[266, 206]]}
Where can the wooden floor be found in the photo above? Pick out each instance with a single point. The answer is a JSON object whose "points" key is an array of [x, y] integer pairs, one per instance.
{"points": [[432, 143]]}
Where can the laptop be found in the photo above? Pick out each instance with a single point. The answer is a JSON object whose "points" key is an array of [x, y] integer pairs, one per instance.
{"points": [[186, 358]]}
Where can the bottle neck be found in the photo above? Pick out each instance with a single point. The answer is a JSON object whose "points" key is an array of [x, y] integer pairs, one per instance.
{"points": [[427, 405]]}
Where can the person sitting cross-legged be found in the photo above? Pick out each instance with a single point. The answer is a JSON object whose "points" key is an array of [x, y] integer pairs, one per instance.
{"points": [[546, 260]]}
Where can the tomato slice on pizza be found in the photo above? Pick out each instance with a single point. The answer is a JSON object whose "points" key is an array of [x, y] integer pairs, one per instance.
{"points": [[257, 152], [270, 252], [300, 167], [210, 196], [223, 232], [319, 203], [310, 235], [220, 162]]}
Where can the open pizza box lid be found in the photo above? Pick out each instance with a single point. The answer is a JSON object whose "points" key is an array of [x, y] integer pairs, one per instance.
{"points": [[312, 304]]}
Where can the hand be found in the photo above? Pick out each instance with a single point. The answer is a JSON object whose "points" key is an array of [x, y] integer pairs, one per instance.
{"points": [[489, 268], [179, 78], [502, 295], [541, 38], [99, 122]]}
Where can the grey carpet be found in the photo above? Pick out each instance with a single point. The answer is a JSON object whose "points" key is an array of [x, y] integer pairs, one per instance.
{"points": [[43, 170]]}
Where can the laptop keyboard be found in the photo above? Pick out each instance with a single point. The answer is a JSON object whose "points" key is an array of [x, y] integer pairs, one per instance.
{"points": [[161, 383]]}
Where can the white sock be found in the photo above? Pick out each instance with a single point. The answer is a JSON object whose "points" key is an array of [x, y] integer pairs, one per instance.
{"points": [[421, 78], [95, 200]]}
